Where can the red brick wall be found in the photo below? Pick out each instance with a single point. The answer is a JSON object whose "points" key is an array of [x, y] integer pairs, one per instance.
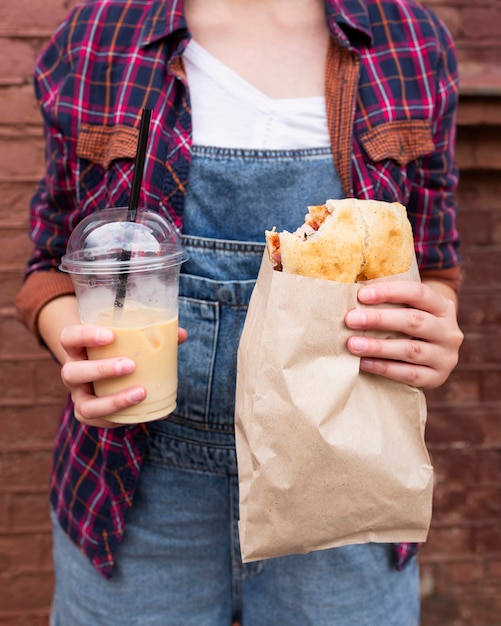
{"points": [[461, 563]]}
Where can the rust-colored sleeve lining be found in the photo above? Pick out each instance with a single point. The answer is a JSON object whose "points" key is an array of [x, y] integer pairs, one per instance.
{"points": [[39, 289], [452, 276]]}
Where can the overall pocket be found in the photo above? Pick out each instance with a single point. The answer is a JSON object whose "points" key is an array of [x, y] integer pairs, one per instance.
{"points": [[196, 360], [213, 312]]}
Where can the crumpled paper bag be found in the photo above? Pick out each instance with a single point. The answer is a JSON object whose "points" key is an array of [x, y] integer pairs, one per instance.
{"points": [[328, 455]]}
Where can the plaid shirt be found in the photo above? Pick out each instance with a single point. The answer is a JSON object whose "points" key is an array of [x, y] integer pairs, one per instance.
{"points": [[391, 93]]}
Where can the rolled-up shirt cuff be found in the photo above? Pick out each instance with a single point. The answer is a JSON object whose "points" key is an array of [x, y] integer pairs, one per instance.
{"points": [[37, 290], [452, 276]]}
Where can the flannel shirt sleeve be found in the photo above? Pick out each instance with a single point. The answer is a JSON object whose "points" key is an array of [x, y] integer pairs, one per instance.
{"points": [[53, 211], [432, 202], [53, 207]]}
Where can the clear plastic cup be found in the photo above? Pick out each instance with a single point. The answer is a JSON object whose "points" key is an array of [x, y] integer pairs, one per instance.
{"points": [[126, 278]]}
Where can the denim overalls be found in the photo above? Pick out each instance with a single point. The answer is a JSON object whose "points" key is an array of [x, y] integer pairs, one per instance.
{"points": [[233, 196]]}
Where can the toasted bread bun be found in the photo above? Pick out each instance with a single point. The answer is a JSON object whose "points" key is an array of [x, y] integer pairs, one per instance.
{"points": [[346, 241]]}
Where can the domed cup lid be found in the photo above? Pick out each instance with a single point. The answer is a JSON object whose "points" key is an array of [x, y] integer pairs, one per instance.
{"points": [[106, 242]]}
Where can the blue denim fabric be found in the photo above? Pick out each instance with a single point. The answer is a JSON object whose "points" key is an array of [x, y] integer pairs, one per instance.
{"points": [[237, 194], [233, 197], [180, 561]]}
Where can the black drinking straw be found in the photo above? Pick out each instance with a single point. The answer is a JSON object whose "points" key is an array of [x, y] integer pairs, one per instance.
{"points": [[134, 199]]}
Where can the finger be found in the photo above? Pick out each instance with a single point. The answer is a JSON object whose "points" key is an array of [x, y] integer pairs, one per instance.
{"points": [[75, 373], [411, 293], [402, 350], [407, 373], [93, 411], [182, 335], [75, 339], [410, 361], [411, 322]]}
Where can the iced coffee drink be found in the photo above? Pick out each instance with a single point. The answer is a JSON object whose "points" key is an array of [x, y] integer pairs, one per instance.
{"points": [[142, 335], [136, 296]]}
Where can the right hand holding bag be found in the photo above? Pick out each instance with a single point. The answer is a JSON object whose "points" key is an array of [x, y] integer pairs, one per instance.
{"points": [[328, 455]]}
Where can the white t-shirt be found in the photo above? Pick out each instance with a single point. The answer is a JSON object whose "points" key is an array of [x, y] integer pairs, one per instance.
{"points": [[229, 112]]}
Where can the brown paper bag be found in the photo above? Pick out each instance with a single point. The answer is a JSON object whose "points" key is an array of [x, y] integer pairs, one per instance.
{"points": [[327, 455]]}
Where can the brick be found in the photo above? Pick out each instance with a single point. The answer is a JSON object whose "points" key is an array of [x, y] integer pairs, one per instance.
{"points": [[21, 16], [15, 339], [10, 372], [450, 541], [5, 500], [39, 382], [496, 229], [481, 348], [489, 466], [19, 106], [476, 228], [487, 539], [24, 550], [491, 386], [30, 510], [481, 266], [25, 590], [468, 504], [29, 426], [478, 310], [24, 618], [434, 4], [15, 202], [448, 503], [480, 56], [465, 573], [477, 148], [15, 245], [493, 568], [480, 191], [17, 59], [458, 464], [11, 284], [459, 576], [468, 426], [21, 154], [484, 609], [473, 111], [439, 610], [25, 469], [491, 420], [48, 382], [455, 427], [481, 23], [461, 387]]}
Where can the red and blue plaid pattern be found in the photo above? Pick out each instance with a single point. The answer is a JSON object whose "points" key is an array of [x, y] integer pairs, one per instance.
{"points": [[391, 100]]}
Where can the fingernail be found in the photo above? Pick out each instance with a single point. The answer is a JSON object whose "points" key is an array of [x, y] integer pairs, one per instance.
{"points": [[367, 294], [356, 318], [124, 366], [136, 395], [367, 364], [104, 335], [358, 344]]}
